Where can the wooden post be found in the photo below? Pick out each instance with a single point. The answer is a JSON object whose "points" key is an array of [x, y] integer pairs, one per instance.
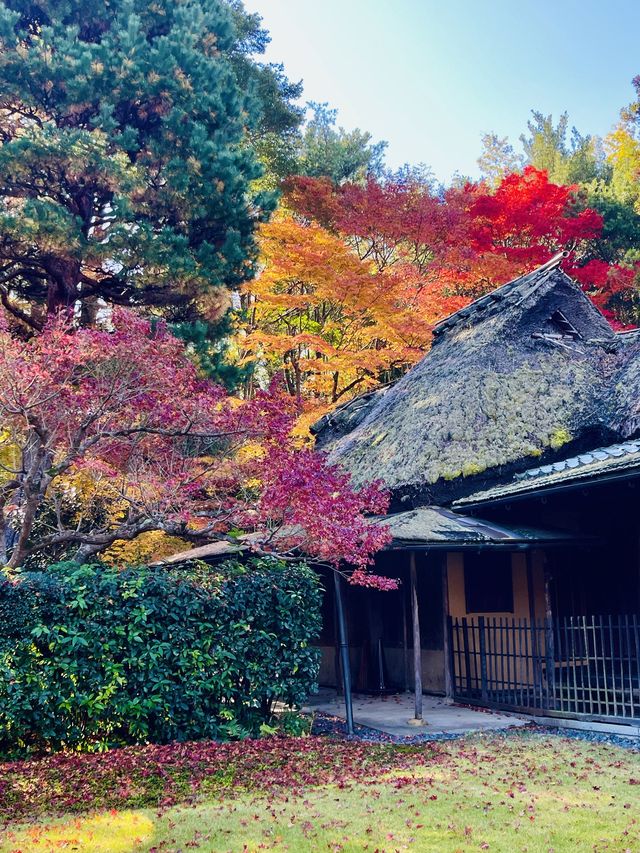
{"points": [[530, 585], [548, 639], [446, 635], [337, 668], [484, 692], [344, 654], [467, 654], [535, 652], [417, 645]]}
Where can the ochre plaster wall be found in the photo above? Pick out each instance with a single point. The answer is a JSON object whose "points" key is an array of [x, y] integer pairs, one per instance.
{"points": [[515, 643], [457, 604]]}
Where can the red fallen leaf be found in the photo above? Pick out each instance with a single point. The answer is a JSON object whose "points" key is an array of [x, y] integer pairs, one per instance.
{"points": [[634, 781]]}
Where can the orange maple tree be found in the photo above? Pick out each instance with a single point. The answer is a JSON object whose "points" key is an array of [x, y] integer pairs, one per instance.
{"points": [[355, 276], [333, 323]]}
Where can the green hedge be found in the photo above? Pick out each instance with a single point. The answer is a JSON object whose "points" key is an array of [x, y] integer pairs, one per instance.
{"points": [[92, 656]]}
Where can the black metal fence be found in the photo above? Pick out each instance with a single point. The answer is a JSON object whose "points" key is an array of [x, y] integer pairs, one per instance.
{"points": [[580, 666]]}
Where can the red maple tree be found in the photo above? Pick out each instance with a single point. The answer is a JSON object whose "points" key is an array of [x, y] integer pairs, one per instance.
{"points": [[111, 433]]}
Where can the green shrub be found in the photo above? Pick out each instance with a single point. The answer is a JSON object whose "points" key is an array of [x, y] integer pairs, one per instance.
{"points": [[92, 656], [294, 724]]}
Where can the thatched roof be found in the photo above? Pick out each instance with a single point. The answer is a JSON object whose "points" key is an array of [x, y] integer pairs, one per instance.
{"points": [[626, 416], [519, 377], [421, 527], [434, 526]]}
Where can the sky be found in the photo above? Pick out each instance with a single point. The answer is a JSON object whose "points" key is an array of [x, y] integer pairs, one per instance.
{"points": [[431, 77]]}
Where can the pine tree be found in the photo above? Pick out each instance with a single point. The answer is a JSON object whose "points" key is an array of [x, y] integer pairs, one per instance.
{"points": [[125, 172], [328, 151]]}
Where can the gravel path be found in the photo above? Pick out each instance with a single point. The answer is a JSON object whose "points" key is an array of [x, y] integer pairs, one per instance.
{"points": [[324, 724]]}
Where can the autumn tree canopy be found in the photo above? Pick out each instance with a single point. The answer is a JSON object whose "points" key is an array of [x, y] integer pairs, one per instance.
{"points": [[143, 149], [328, 320], [355, 275], [111, 433]]}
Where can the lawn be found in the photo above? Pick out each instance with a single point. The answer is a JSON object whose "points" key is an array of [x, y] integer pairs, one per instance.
{"points": [[516, 792]]}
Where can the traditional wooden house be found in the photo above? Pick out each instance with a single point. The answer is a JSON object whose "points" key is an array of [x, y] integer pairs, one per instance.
{"points": [[511, 456]]}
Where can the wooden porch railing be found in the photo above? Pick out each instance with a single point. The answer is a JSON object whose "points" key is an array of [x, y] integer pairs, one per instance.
{"points": [[581, 666]]}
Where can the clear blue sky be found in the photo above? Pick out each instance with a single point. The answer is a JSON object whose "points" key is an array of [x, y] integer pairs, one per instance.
{"points": [[430, 77]]}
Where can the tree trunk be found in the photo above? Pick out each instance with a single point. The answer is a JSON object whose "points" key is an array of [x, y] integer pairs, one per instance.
{"points": [[33, 485], [4, 530], [64, 275], [89, 311], [31, 506]]}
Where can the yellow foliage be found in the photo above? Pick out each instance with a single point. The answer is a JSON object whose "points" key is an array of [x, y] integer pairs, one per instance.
{"points": [[300, 433], [251, 450], [9, 455], [623, 153], [90, 490], [145, 548]]}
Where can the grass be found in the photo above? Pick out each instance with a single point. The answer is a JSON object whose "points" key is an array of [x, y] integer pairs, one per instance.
{"points": [[519, 792]]}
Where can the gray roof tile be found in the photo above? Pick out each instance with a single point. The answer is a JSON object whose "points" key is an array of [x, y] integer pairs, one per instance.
{"points": [[605, 461]]}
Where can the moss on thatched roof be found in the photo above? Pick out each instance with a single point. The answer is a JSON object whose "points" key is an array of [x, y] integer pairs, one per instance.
{"points": [[626, 386], [526, 374]]}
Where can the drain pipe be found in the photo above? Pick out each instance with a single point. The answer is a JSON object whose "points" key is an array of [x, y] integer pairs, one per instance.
{"points": [[344, 653], [417, 644]]}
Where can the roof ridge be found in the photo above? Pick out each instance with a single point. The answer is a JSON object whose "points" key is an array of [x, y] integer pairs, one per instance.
{"points": [[500, 292], [358, 401]]}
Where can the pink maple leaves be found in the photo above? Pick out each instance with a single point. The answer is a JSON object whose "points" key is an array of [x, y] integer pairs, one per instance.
{"points": [[112, 432]]}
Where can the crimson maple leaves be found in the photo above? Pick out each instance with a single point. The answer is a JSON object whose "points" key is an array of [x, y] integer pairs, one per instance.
{"points": [[355, 276], [107, 434]]}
